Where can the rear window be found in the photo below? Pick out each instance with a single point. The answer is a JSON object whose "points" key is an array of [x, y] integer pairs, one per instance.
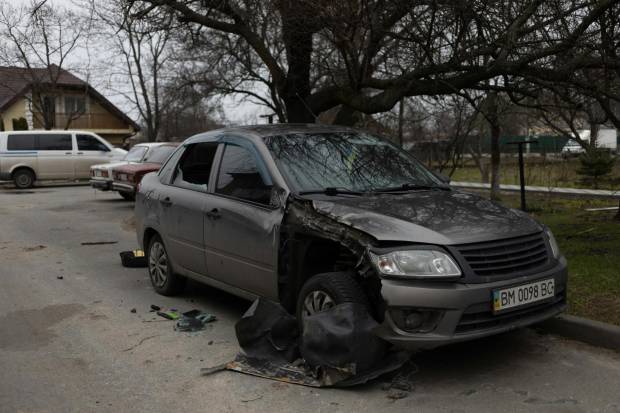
{"points": [[39, 142], [159, 154], [90, 143]]}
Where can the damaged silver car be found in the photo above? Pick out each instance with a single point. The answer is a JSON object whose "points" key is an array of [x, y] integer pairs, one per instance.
{"points": [[313, 216]]}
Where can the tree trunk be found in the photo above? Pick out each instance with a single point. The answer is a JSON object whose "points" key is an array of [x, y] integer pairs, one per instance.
{"points": [[495, 161]]}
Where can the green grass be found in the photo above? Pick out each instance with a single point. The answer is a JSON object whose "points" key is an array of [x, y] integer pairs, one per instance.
{"points": [[590, 241], [540, 172]]}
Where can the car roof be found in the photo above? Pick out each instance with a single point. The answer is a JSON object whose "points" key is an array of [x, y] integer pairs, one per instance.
{"points": [[262, 131], [46, 132], [153, 144]]}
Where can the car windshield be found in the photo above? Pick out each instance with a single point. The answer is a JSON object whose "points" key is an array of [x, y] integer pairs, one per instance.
{"points": [[159, 154], [135, 154], [352, 161]]}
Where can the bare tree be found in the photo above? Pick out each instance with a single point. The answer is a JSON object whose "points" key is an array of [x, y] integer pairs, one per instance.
{"points": [[143, 50], [38, 40]]}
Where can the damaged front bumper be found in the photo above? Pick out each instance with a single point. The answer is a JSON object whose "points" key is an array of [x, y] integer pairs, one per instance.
{"points": [[455, 312]]}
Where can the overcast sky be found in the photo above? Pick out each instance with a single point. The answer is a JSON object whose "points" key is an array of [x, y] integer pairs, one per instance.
{"points": [[235, 110]]}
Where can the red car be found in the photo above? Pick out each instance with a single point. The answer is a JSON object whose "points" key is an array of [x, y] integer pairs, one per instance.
{"points": [[127, 177]]}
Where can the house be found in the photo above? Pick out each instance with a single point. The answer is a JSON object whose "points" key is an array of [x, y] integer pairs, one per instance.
{"points": [[53, 98]]}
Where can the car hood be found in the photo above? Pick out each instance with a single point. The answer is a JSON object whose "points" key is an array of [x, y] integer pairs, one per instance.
{"points": [[138, 168], [432, 217]]}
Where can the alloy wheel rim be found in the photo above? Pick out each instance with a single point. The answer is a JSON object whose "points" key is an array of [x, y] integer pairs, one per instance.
{"points": [[316, 302], [158, 265]]}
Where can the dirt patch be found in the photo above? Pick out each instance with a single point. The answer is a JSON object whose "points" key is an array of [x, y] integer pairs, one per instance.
{"points": [[32, 329]]}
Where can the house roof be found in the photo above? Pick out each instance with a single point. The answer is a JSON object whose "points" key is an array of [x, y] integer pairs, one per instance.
{"points": [[17, 81]]}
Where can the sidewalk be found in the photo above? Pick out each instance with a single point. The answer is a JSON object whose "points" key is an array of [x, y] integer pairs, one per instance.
{"points": [[593, 193]]}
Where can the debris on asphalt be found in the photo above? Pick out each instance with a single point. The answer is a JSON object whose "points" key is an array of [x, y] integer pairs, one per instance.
{"points": [[133, 259], [155, 307], [329, 353], [169, 314], [100, 243], [60, 277], [194, 320], [133, 310], [35, 248]]}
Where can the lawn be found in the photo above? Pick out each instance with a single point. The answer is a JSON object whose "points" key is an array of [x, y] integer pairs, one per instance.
{"points": [[539, 171], [590, 241]]}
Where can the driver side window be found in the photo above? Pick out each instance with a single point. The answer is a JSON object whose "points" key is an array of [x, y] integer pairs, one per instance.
{"points": [[194, 168], [240, 177]]}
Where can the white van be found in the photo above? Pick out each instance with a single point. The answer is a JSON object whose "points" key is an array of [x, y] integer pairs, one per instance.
{"points": [[29, 156]]}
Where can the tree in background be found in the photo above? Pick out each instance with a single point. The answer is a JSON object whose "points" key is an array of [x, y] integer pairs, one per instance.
{"points": [[595, 165], [39, 39]]}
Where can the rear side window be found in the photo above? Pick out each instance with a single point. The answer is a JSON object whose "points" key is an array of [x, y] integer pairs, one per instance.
{"points": [[39, 142], [55, 142], [239, 176], [194, 168], [90, 143], [21, 142]]}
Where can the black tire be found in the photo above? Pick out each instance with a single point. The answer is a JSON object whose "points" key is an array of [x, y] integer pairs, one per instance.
{"points": [[341, 287], [23, 178], [128, 196], [170, 283]]}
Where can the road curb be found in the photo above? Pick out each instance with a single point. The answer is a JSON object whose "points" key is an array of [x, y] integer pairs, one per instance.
{"points": [[592, 332]]}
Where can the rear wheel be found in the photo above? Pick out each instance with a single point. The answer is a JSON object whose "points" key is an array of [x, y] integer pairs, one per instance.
{"points": [[23, 178], [324, 291], [163, 278]]}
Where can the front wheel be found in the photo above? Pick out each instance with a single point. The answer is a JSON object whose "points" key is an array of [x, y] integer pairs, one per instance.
{"points": [[324, 291], [163, 279]]}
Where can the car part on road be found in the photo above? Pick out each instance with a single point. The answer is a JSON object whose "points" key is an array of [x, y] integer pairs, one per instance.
{"points": [[127, 196], [194, 320], [338, 346], [133, 259], [161, 273], [169, 314]]}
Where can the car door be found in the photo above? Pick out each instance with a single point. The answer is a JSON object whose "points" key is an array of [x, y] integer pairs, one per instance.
{"points": [[55, 156], [241, 225], [90, 151], [183, 202]]}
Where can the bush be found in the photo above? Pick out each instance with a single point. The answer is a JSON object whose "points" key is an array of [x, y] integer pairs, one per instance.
{"points": [[595, 165]]}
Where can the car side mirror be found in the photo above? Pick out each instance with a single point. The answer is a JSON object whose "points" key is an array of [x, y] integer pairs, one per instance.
{"points": [[278, 197]]}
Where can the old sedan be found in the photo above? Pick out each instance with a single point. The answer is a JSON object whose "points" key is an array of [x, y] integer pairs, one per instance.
{"points": [[314, 216], [126, 177]]}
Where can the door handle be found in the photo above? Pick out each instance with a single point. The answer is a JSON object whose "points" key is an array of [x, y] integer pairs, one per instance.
{"points": [[80, 153], [67, 153], [213, 214], [166, 201]]}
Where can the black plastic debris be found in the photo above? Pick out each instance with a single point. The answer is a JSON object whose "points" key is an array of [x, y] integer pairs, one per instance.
{"points": [[133, 259], [194, 320], [338, 347], [268, 332], [100, 243]]}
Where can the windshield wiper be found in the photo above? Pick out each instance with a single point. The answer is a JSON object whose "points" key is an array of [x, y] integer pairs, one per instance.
{"points": [[411, 187], [331, 191]]}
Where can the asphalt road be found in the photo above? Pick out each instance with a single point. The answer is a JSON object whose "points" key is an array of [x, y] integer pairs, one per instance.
{"points": [[73, 344]]}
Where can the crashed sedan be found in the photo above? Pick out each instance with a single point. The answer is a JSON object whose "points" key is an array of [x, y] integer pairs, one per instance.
{"points": [[314, 216]]}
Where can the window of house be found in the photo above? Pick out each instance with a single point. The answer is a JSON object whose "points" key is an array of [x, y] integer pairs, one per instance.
{"points": [[54, 142], [194, 168], [240, 177], [90, 143], [75, 104]]}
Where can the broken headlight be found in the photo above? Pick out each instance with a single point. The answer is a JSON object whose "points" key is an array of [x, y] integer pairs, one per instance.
{"points": [[416, 264]]}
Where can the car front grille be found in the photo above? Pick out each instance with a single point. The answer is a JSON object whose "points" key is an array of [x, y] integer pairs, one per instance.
{"points": [[513, 256], [484, 320]]}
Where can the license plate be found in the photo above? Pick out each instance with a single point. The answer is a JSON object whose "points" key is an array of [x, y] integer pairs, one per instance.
{"points": [[97, 173], [512, 297], [122, 177]]}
